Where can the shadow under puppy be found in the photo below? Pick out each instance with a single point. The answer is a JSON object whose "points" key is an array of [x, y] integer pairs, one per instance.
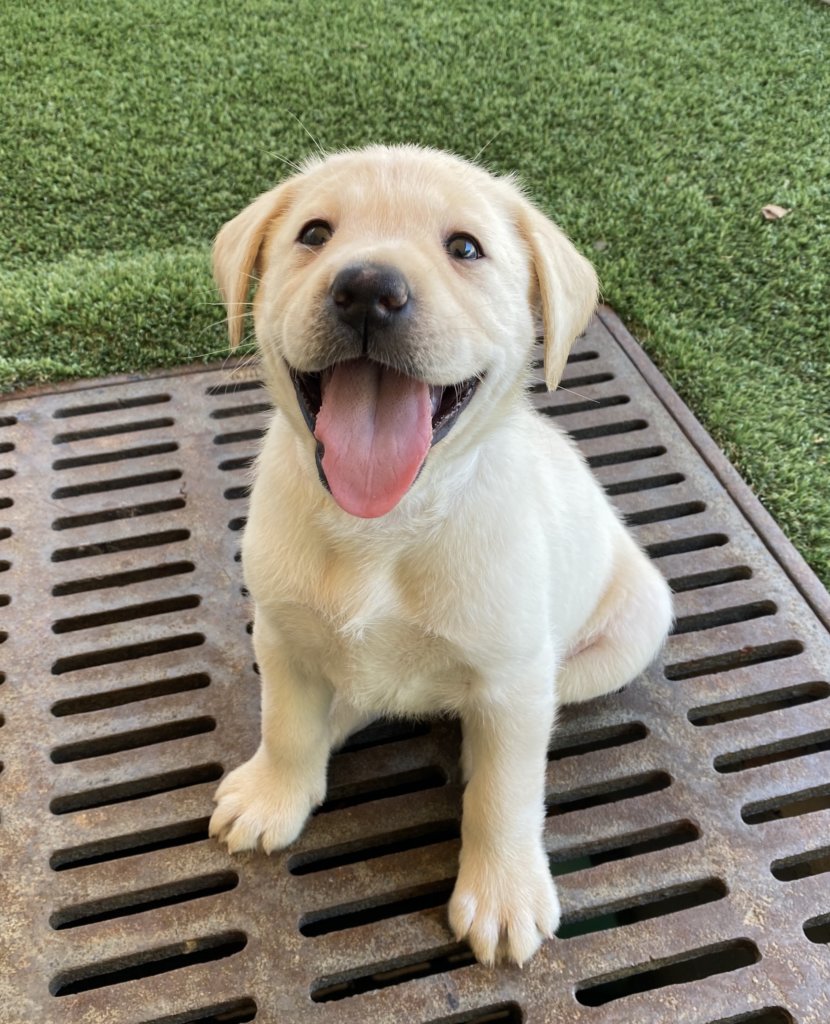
{"points": [[419, 540]]}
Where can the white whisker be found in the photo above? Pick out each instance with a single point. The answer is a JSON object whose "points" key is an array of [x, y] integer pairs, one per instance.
{"points": [[317, 145], [578, 395], [486, 144]]}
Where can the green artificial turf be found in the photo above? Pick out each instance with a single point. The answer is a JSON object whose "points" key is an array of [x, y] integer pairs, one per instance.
{"points": [[654, 132]]}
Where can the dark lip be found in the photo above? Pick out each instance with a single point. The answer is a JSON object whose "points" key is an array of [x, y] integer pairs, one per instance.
{"points": [[453, 400]]}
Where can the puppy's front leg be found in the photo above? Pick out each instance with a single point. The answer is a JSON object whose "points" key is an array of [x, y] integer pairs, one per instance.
{"points": [[504, 902], [266, 800]]}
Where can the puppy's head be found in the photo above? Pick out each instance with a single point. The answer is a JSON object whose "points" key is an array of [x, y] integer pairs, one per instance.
{"points": [[398, 298]]}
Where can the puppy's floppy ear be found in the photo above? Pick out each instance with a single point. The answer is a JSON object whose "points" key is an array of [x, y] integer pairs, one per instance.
{"points": [[567, 288], [237, 249]]}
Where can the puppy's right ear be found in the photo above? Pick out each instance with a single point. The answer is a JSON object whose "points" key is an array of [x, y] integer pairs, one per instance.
{"points": [[237, 248]]}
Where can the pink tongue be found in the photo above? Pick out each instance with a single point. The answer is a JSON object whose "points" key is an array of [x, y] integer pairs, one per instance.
{"points": [[376, 428]]}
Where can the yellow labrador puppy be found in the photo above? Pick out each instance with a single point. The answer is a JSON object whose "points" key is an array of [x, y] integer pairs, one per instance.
{"points": [[419, 539]]}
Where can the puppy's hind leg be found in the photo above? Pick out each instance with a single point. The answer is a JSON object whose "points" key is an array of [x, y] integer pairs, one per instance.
{"points": [[625, 633]]}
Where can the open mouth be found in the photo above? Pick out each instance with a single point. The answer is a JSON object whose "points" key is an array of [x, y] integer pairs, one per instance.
{"points": [[374, 427], [446, 403]]}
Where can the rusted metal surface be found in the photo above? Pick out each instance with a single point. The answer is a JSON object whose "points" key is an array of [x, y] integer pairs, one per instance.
{"points": [[688, 818]]}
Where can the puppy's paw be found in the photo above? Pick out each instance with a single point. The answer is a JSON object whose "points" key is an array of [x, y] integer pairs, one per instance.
{"points": [[256, 806], [504, 908]]}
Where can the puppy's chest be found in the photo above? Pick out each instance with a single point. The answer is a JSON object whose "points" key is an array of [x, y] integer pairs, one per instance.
{"points": [[376, 650]]}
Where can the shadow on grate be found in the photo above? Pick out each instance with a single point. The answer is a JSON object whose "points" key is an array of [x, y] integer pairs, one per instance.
{"points": [[686, 815]]}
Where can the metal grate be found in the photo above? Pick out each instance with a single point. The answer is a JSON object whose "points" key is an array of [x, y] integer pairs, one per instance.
{"points": [[688, 816]]}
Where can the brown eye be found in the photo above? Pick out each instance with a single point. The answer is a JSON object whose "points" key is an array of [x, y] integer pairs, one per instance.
{"points": [[316, 232], [463, 247]]}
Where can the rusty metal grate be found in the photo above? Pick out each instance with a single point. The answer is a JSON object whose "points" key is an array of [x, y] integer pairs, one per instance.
{"points": [[688, 816]]}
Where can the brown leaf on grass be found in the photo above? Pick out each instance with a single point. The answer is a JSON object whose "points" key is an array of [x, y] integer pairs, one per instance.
{"points": [[773, 212]]}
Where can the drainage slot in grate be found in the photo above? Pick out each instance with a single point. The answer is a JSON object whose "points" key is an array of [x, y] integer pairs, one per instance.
{"points": [[769, 753], [605, 429], [692, 966], [337, 919], [729, 660], [685, 545], [127, 613], [724, 617], [238, 1011], [789, 805], [109, 547], [665, 513], [148, 963], [713, 578], [634, 844], [397, 972], [122, 579], [381, 733], [311, 861], [111, 515], [239, 436], [243, 462], [609, 792], [130, 694], [569, 383], [120, 428], [770, 1015], [563, 746], [628, 455], [399, 784], [140, 901], [104, 796], [579, 355], [642, 908], [817, 929], [758, 704], [234, 387], [237, 493], [508, 1013], [241, 410], [119, 483], [589, 405], [144, 451], [647, 483], [120, 741], [131, 652], [802, 865], [93, 409], [182, 833]]}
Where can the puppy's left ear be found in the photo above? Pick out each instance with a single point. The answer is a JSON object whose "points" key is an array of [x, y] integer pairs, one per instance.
{"points": [[237, 248], [567, 288]]}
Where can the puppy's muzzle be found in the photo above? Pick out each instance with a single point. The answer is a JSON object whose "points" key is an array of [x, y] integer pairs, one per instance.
{"points": [[373, 415], [370, 298]]}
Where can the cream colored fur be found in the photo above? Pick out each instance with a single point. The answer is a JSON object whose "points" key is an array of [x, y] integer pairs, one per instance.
{"points": [[502, 585]]}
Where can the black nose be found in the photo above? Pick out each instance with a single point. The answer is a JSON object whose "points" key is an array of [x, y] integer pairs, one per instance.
{"points": [[369, 295]]}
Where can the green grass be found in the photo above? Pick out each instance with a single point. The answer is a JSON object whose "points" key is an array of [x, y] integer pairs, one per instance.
{"points": [[654, 132]]}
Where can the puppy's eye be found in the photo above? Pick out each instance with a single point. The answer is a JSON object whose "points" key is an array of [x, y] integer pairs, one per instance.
{"points": [[316, 232], [463, 247]]}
